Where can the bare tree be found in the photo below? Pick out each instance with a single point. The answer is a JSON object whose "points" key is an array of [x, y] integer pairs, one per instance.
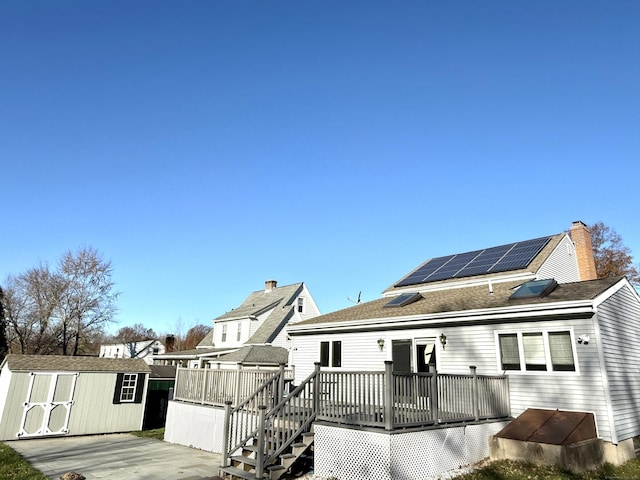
{"points": [[130, 336], [88, 301], [29, 303], [195, 336], [4, 344], [61, 311], [612, 257]]}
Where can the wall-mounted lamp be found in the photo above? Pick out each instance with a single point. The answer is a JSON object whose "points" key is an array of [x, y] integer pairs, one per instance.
{"points": [[381, 343], [443, 340], [584, 339]]}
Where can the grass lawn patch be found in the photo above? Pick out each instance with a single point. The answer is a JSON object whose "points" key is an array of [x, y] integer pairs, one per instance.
{"points": [[14, 467]]}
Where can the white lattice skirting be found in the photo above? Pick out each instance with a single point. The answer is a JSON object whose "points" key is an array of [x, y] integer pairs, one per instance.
{"points": [[348, 454]]}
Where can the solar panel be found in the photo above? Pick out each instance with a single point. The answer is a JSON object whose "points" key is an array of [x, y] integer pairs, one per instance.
{"points": [[402, 300], [424, 271], [513, 256]]}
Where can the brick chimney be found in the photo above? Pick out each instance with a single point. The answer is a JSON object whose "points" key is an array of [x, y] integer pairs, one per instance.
{"points": [[584, 250], [170, 344], [269, 285]]}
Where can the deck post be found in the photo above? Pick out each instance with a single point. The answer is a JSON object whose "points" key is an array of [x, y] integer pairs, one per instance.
{"points": [[261, 439], [475, 398], [226, 432], [280, 385], [317, 389], [435, 414], [388, 395], [238, 383], [204, 386]]}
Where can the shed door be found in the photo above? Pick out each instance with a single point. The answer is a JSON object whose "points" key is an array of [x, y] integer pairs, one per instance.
{"points": [[48, 404]]}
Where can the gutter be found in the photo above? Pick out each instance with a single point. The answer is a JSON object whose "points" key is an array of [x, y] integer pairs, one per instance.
{"points": [[578, 307]]}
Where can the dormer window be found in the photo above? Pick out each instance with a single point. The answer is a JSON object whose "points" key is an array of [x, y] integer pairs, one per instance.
{"points": [[239, 334], [223, 338], [300, 305]]}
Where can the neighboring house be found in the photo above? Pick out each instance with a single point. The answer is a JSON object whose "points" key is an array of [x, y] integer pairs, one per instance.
{"points": [[144, 349], [52, 395], [259, 322], [532, 310]]}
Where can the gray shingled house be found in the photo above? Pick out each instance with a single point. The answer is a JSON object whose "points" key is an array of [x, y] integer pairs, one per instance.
{"points": [[49, 395], [257, 326]]}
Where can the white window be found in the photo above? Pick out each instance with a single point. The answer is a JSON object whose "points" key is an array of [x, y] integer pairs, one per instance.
{"points": [[300, 305], [224, 333], [128, 391], [239, 334], [547, 351]]}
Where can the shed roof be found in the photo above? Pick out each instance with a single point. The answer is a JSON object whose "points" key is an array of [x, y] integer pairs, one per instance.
{"points": [[462, 299], [62, 363]]}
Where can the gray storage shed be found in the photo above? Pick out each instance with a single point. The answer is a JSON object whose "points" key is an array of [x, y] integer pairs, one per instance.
{"points": [[53, 395]]}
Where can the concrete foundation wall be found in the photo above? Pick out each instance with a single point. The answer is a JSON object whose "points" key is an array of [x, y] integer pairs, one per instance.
{"points": [[196, 426], [351, 454], [576, 458]]}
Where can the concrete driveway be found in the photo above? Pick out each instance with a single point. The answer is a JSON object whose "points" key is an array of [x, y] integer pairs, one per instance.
{"points": [[117, 456]]}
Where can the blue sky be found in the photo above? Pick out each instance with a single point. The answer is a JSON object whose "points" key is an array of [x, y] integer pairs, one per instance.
{"points": [[204, 147]]}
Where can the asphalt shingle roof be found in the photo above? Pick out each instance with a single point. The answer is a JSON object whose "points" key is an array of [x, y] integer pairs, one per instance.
{"points": [[279, 298], [463, 299], [62, 363], [261, 354]]}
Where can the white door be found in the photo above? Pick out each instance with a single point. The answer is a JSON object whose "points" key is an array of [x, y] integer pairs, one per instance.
{"points": [[48, 404]]}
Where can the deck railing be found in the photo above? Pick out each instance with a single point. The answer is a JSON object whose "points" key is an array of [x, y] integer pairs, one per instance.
{"points": [[209, 386], [399, 400]]}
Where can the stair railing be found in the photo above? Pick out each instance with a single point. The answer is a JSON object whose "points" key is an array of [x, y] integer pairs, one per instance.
{"points": [[291, 417], [241, 423]]}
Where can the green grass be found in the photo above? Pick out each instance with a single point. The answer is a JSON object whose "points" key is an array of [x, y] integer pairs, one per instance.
{"points": [[14, 467], [510, 470], [157, 433]]}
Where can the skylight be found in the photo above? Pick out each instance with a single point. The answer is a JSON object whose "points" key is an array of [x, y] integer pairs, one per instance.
{"points": [[403, 299], [535, 288]]}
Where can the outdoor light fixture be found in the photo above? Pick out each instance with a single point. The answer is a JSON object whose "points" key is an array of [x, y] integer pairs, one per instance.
{"points": [[381, 343], [443, 340]]}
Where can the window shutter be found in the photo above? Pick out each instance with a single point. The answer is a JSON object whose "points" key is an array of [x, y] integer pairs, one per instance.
{"points": [[139, 388], [118, 390]]}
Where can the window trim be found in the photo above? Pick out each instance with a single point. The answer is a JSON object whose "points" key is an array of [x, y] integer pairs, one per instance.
{"points": [[300, 308], [138, 388], [223, 334], [547, 351]]}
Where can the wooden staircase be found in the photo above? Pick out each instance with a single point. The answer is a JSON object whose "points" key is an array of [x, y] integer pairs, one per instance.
{"points": [[268, 443], [243, 466]]}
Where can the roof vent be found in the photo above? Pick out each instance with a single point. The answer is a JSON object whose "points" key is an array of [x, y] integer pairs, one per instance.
{"points": [[535, 289]]}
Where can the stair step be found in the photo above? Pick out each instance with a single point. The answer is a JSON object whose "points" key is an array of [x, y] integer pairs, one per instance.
{"points": [[245, 460], [236, 472], [250, 448]]}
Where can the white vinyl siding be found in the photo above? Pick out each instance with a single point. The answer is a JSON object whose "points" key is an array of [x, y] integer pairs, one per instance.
{"points": [[619, 324], [477, 345], [562, 264]]}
